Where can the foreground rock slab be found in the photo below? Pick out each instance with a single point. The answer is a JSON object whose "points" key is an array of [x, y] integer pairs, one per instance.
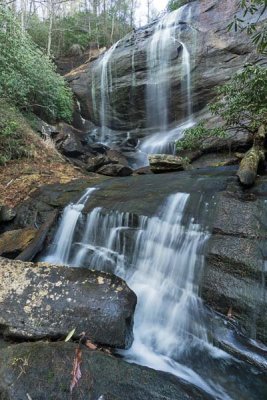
{"points": [[42, 371], [48, 301]]}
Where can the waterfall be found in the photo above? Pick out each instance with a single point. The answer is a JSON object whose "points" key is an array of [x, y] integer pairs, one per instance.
{"points": [[103, 72], [165, 40], [159, 56], [63, 239], [161, 259], [168, 262]]}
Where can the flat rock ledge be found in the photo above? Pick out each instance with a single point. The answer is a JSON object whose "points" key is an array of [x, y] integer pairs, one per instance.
{"points": [[47, 301], [42, 371]]}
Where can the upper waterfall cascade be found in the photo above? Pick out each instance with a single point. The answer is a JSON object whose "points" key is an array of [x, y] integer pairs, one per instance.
{"points": [[165, 47]]}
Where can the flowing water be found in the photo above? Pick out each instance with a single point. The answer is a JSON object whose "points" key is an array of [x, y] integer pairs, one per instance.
{"points": [[161, 258], [104, 72], [165, 46], [165, 40]]}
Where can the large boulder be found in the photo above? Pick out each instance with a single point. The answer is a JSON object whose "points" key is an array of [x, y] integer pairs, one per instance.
{"points": [[110, 157], [48, 301], [69, 141], [216, 54], [42, 371], [165, 163]]}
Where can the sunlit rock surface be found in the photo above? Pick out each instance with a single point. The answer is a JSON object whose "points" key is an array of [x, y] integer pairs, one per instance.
{"points": [[48, 301]]}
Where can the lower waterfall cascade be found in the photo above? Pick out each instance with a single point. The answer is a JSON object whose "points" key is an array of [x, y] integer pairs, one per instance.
{"points": [[161, 258]]}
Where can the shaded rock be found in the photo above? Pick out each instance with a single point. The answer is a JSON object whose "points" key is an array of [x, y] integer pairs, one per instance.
{"points": [[14, 242], [69, 144], [36, 245], [235, 270], [238, 217], [239, 256], [237, 141], [110, 157], [214, 160], [117, 157], [7, 214], [227, 336], [94, 163], [115, 170], [245, 295], [99, 148], [165, 163], [104, 377], [42, 300], [45, 129]]}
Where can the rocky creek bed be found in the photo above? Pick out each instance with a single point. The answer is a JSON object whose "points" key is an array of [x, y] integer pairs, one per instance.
{"points": [[40, 301]]}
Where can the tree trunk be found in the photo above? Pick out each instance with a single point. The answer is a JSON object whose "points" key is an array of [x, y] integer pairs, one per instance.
{"points": [[249, 165], [49, 40]]}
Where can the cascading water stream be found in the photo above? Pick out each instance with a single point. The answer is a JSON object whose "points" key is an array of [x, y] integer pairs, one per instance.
{"points": [[104, 72], [161, 259], [63, 240], [159, 58]]}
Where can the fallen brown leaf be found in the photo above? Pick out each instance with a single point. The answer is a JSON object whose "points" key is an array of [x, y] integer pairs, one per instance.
{"points": [[76, 370], [90, 345]]}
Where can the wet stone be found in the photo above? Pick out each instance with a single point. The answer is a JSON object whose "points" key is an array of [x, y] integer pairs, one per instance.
{"points": [[48, 301]]}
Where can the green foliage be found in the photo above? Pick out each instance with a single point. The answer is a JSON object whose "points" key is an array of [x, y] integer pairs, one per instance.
{"points": [[175, 4], [240, 103], [255, 29], [243, 101], [12, 141], [27, 77], [193, 137], [80, 28]]}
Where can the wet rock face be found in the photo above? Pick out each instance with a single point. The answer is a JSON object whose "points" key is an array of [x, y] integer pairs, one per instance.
{"points": [[45, 301], [45, 373], [235, 269], [215, 53]]}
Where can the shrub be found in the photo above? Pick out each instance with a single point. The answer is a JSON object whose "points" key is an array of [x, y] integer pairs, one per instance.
{"points": [[193, 137], [12, 140], [27, 77], [243, 101]]}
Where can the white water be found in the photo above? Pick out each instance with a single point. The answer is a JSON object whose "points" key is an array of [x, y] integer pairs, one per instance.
{"points": [[165, 39], [164, 143], [63, 240], [104, 72], [161, 259]]}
